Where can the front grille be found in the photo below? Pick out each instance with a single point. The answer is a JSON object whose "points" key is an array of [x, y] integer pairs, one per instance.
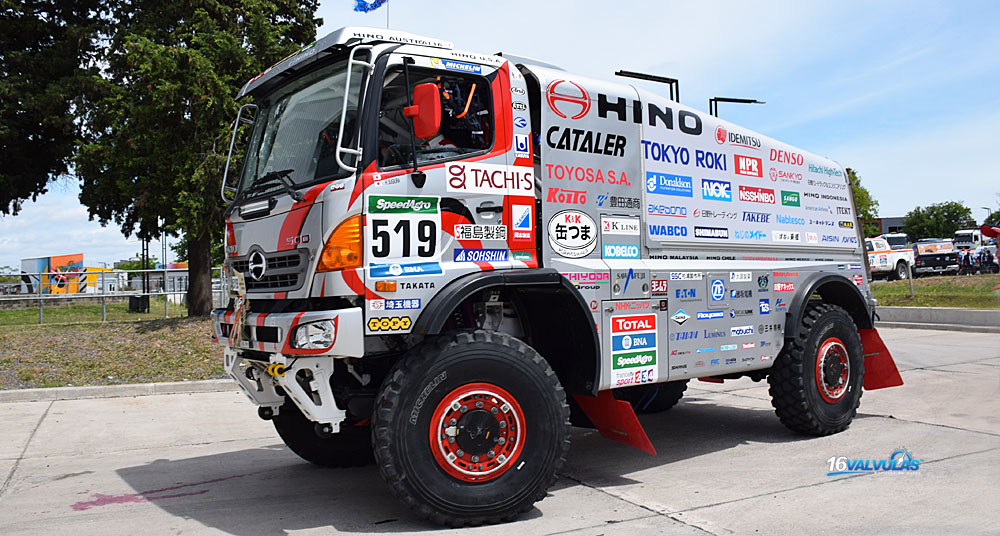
{"points": [[285, 271], [264, 333]]}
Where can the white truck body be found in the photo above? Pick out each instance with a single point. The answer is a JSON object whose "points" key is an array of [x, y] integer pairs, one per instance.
{"points": [[629, 241]]}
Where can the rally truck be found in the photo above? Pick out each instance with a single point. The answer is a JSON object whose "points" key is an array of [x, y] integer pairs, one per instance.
{"points": [[884, 260], [439, 261]]}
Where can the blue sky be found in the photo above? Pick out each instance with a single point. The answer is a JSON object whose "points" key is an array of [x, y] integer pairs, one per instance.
{"points": [[906, 93]]}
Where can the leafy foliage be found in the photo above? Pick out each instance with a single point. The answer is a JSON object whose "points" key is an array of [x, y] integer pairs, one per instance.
{"points": [[867, 205], [159, 125], [939, 220], [47, 60]]}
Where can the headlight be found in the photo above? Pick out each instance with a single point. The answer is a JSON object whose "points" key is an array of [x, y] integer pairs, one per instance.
{"points": [[315, 335]]}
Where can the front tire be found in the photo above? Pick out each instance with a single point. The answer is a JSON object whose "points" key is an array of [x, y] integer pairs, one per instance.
{"points": [[470, 428], [815, 384], [351, 447]]}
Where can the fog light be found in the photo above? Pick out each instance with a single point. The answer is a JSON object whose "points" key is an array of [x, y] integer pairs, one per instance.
{"points": [[315, 335]]}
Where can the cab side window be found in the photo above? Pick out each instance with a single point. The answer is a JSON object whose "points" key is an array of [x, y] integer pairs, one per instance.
{"points": [[466, 118]]}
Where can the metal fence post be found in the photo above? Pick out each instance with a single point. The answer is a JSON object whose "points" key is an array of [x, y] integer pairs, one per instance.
{"points": [[104, 307], [909, 276], [40, 314]]}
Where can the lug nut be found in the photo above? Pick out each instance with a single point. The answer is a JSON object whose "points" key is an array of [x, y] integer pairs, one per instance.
{"points": [[494, 410], [463, 409], [479, 404], [475, 459], [460, 453]]}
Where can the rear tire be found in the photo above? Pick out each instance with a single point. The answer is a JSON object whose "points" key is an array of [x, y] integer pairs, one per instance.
{"points": [[351, 447], [817, 379], [470, 428], [901, 270], [654, 397]]}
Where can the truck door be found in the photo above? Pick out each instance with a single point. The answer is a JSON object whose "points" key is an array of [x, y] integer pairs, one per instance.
{"points": [[424, 233]]}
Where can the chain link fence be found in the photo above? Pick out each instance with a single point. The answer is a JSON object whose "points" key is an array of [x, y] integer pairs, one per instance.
{"points": [[98, 295]]}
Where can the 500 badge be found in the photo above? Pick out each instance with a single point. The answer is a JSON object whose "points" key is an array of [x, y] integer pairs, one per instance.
{"points": [[392, 323], [403, 227]]}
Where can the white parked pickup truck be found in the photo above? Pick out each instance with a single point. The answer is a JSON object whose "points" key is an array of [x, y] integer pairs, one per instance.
{"points": [[884, 260]]}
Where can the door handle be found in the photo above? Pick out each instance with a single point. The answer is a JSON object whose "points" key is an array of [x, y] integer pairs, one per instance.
{"points": [[495, 208]]}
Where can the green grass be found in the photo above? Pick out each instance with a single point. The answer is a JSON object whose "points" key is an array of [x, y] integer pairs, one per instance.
{"points": [[88, 312], [971, 292], [108, 353]]}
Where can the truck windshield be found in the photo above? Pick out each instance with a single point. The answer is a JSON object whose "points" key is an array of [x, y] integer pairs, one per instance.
{"points": [[297, 128], [963, 239], [896, 242]]}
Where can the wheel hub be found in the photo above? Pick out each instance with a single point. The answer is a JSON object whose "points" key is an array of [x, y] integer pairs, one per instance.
{"points": [[833, 370], [477, 432]]}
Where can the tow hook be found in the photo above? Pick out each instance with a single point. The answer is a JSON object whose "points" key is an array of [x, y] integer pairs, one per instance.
{"points": [[276, 369], [265, 412], [323, 430]]}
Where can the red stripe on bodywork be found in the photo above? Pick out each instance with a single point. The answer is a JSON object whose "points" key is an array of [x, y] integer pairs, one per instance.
{"points": [[291, 226]]}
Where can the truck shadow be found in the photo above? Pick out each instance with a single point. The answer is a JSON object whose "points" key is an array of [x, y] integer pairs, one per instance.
{"points": [[267, 490]]}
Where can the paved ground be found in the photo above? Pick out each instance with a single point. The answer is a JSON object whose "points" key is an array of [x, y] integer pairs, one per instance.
{"points": [[204, 464]]}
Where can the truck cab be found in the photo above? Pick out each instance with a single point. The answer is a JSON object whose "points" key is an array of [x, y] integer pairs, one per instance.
{"points": [[439, 259]]}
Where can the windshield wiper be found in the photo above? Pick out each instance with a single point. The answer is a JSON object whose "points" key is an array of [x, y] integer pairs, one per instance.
{"points": [[264, 180]]}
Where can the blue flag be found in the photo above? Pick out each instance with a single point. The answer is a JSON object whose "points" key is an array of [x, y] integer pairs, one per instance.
{"points": [[364, 7]]}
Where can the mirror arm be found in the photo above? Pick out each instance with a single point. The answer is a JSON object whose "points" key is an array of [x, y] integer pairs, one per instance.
{"points": [[232, 143], [418, 177]]}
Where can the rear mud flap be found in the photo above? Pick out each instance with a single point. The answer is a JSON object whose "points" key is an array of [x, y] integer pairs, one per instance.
{"points": [[880, 369], [615, 420]]}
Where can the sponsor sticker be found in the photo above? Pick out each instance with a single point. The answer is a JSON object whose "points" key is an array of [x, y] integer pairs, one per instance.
{"points": [[403, 270], [393, 323], [480, 255], [474, 177], [718, 288], [680, 317], [573, 234], [686, 276], [740, 331], [633, 349], [481, 232], [453, 65], [658, 286], [620, 251], [740, 277], [620, 226], [668, 184], [709, 315]]}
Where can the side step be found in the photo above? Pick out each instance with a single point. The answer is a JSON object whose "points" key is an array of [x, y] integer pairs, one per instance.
{"points": [[615, 420]]}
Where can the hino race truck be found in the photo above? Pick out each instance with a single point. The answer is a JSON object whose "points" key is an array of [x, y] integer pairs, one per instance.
{"points": [[438, 261]]}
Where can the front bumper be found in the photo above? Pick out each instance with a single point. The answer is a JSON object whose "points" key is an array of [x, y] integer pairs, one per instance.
{"points": [[935, 269], [271, 332], [303, 375]]}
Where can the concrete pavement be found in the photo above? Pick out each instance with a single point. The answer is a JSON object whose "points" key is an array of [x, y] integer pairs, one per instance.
{"points": [[202, 463]]}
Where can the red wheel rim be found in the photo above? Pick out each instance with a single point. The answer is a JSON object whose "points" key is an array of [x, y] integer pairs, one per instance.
{"points": [[833, 370], [477, 432]]}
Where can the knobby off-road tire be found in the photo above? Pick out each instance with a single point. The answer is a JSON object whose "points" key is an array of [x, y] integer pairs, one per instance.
{"points": [[472, 393], [351, 447], [652, 398], [828, 347]]}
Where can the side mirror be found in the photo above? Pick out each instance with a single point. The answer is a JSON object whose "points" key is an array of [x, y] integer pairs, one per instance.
{"points": [[426, 110]]}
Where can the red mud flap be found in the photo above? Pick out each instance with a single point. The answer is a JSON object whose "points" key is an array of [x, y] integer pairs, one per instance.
{"points": [[615, 420], [880, 369]]}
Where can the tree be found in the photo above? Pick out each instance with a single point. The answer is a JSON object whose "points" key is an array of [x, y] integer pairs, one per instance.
{"points": [[47, 57], [867, 205], [158, 131], [939, 220], [180, 249]]}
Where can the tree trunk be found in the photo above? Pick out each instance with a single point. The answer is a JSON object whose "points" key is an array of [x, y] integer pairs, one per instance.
{"points": [[199, 294]]}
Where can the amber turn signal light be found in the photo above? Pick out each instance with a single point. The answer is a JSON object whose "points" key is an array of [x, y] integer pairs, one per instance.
{"points": [[343, 248], [385, 286]]}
